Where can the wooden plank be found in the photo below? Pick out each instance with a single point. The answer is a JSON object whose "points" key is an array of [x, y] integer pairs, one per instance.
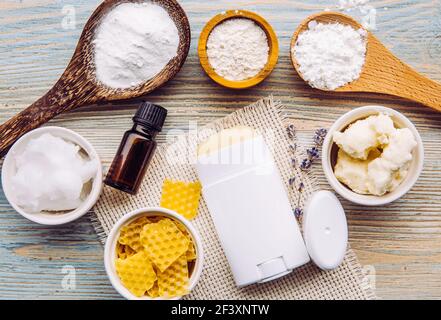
{"points": [[402, 241]]}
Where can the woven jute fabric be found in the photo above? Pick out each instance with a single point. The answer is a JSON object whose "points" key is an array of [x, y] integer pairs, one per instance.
{"points": [[174, 160]]}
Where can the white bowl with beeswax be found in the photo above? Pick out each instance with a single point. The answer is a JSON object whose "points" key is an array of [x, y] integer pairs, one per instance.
{"points": [[52, 176], [372, 155], [138, 241], [247, 57]]}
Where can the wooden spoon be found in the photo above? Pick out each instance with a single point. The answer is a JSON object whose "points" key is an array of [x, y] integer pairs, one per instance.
{"points": [[78, 85], [382, 72]]}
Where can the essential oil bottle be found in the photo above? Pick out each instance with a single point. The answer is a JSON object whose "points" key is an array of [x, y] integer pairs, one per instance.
{"points": [[136, 149]]}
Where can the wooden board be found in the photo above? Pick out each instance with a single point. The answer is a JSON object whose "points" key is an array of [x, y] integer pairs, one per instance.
{"points": [[402, 241]]}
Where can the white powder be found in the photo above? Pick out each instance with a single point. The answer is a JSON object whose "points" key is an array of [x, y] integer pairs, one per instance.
{"points": [[237, 49], [134, 42], [330, 55]]}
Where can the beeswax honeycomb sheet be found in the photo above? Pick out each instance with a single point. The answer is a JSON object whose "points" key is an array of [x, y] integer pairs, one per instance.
{"points": [[307, 282], [164, 242]]}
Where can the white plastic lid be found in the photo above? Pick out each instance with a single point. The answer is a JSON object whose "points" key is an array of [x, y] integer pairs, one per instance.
{"points": [[325, 230]]}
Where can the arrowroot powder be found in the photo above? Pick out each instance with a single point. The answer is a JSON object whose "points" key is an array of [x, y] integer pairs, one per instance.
{"points": [[330, 55], [237, 49], [134, 42]]}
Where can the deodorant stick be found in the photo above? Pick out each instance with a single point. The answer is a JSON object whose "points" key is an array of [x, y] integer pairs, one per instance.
{"points": [[249, 205]]}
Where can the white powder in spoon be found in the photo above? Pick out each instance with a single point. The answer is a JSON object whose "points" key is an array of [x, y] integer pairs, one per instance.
{"points": [[134, 42], [237, 49], [330, 55]]}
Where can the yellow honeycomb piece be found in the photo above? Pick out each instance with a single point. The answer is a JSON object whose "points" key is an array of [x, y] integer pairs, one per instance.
{"points": [[181, 227], [164, 243], [173, 282], [120, 250], [181, 197], [154, 291], [156, 218], [191, 252], [129, 234], [136, 273], [123, 251]]}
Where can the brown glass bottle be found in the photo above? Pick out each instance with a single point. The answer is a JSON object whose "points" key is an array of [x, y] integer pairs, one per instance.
{"points": [[136, 149]]}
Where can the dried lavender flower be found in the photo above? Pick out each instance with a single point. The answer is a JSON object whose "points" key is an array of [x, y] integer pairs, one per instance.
{"points": [[293, 147], [291, 131], [298, 212], [319, 136], [313, 153], [292, 180], [294, 162], [306, 164]]}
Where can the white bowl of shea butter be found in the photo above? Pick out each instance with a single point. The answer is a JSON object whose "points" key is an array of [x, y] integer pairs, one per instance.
{"points": [[90, 193], [330, 150]]}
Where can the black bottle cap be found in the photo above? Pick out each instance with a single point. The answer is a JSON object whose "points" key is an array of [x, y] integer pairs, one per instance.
{"points": [[150, 115]]}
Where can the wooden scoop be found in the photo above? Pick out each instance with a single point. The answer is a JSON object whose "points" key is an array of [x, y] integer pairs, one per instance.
{"points": [[382, 72], [78, 85]]}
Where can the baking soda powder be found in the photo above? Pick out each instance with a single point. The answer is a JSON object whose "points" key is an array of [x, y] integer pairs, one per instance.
{"points": [[134, 42], [330, 55], [237, 49]]}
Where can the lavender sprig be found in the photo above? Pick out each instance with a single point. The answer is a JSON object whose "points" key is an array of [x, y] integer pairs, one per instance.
{"points": [[298, 212], [291, 131], [314, 153], [293, 148], [319, 136], [306, 164], [294, 162]]}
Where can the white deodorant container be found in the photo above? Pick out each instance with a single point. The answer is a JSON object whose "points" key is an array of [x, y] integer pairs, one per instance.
{"points": [[249, 206]]}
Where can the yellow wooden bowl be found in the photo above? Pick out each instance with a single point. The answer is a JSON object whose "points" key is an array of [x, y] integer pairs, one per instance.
{"points": [[272, 43]]}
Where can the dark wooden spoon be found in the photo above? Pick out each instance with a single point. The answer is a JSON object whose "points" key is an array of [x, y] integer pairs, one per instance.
{"points": [[78, 85]]}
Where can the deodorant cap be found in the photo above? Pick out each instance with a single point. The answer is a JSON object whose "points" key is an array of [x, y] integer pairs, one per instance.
{"points": [[325, 230]]}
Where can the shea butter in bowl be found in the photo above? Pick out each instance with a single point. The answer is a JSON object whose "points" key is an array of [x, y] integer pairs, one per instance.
{"points": [[52, 176], [372, 155], [238, 49], [153, 254]]}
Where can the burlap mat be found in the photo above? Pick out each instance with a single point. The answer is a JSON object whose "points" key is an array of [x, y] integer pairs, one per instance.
{"points": [[174, 161]]}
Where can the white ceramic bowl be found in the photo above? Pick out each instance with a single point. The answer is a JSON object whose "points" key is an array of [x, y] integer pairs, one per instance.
{"points": [[329, 154], [46, 218], [110, 249]]}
